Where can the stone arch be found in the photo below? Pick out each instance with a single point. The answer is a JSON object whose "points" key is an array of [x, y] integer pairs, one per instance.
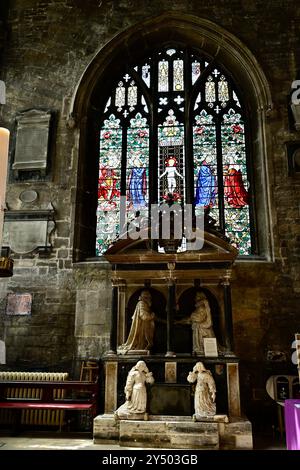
{"points": [[94, 85]]}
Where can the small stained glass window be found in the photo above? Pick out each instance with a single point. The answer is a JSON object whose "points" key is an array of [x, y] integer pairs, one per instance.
{"points": [[120, 96], [210, 91], [196, 70], [178, 75], [163, 76]]}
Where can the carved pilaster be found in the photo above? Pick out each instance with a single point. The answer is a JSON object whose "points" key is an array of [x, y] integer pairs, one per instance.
{"points": [[233, 388], [114, 317], [111, 382], [171, 282], [228, 313], [121, 312]]}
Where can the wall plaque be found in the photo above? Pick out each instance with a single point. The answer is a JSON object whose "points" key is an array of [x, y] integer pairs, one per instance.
{"points": [[18, 304], [27, 230], [32, 141]]}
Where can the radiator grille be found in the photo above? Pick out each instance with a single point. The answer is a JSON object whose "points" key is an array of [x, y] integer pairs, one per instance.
{"points": [[38, 417]]}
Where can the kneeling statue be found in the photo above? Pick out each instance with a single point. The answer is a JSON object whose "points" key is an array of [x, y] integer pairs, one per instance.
{"points": [[135, 393], [205, 392]]}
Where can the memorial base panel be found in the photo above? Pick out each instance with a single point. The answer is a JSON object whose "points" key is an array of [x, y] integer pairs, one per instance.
{"points": [[174, 433]]}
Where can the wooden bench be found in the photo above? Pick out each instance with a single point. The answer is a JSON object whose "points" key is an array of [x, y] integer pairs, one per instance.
{"points": [[78, 396]]}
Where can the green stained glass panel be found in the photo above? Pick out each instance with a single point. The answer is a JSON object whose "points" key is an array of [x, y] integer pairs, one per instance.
{"points": [[205, 162], [235, 180], [137, 177], [109, 181]]}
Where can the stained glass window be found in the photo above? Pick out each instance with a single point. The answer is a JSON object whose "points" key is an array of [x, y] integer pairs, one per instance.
{"points": [[171, 158], [220, 160], [205, 163], [137, 191], [163, 76], [109, 183], [178, 75], [148, 154]]}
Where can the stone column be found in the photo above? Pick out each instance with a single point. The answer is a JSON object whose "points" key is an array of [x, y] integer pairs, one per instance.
{"points": [[114, 318], [170, 315], [233, 388], [121, 313], [228, 315], [111, 386]]}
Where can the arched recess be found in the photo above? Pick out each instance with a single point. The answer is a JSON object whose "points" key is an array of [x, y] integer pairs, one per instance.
{"points": [[129, 47], [158, 306], [186, 305]]}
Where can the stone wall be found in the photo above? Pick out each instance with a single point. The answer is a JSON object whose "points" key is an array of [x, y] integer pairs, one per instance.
{"points": [[49, 46]]}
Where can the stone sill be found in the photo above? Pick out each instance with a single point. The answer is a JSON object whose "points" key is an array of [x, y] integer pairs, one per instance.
{"points": [[254, 259], [96, 261], [90, 262]]}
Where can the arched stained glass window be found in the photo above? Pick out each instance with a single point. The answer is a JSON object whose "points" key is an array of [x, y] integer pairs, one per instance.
{"points": [[175, 125]]}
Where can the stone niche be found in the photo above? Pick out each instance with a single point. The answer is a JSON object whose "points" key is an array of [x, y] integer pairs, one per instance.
{"points": [[32, 141]]}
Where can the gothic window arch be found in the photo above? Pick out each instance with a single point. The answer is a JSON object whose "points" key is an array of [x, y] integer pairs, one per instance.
{"points": [[175, 123]]}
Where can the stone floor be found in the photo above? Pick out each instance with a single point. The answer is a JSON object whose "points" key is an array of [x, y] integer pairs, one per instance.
{"points": [[52, 441]]}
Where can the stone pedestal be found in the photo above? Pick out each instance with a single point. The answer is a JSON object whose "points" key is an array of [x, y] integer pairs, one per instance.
{"points": [[172, 432], [233, 388]]}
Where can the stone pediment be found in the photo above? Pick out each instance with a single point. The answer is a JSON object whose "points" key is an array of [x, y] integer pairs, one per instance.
{"points": [[215, 249]]}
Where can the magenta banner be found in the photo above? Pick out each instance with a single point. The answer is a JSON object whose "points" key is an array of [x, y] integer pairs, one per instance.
{"points": [[292, 423]]}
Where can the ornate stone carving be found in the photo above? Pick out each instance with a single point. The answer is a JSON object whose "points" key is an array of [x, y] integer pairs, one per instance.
{"points": [[205, 392], [136, 393]]}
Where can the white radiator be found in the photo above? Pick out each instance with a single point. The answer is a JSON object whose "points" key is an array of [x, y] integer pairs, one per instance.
{"points": [[38, 417]]}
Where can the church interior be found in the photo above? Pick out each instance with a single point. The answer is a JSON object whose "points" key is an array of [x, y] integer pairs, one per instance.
{"points": [[150, 219]]}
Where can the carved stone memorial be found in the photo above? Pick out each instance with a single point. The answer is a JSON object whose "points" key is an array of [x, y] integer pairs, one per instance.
{"points": [[201, 322], [28, 230], [32, 141], [205, 392], [140, 338], [136, 393]]}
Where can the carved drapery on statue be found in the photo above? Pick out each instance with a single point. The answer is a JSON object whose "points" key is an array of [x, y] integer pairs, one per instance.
{"points": [[205, 391], [135, 393], [141, 333], [201, 321]]}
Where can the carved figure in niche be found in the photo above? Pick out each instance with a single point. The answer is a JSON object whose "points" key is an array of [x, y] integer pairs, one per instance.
{"points": [[201, 322], [205, 391], [141, 333], [135, 393]]}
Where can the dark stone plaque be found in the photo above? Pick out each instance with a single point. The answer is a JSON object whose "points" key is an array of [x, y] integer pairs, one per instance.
{"points": [[170, 399]]}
